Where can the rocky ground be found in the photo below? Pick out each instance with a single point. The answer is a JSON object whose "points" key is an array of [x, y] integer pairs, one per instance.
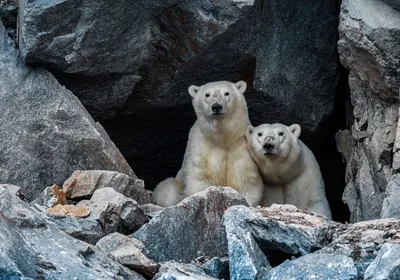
{"points": [[90, 90]]}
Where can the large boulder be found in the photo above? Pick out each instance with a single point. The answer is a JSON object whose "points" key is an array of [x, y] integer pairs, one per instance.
{"points": [[46, 133], [386, 264], [192, 228], [367, 47]]}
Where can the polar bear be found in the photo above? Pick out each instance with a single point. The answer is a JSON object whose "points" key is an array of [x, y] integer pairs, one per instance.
{"points": [[216, 153], [289, 169]]}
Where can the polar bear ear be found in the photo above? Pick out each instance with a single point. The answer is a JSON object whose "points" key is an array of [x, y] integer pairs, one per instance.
{"points": [[193, 90], [295, 129], [241, 86], [249, 131]]}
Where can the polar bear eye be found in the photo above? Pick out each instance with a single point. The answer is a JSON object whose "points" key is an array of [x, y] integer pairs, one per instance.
{"points": [[226, 93], [207, 95], [259, 134], [281, 133]]}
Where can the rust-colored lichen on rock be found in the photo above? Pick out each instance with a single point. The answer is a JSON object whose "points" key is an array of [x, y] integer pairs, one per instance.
{"points": [[60, 194], [79, 211]]}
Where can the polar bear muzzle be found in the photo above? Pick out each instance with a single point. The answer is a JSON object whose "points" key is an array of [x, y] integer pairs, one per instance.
{"points": [[217, 109]]}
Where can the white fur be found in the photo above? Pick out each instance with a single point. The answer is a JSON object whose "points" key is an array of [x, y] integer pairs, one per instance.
{"points": [[216, 152], [290, 171]]}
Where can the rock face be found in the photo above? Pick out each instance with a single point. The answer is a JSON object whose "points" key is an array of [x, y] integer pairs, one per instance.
{"points": [[83, 183], [46, 133], [31, 248], [178, 271], [391, 206], [180, 232], [368, 31], [315, 266], [386, 264]]}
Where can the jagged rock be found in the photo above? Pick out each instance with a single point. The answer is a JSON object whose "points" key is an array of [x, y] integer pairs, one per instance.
{"points": [[83, 183], [386, 265], [46, 133], [181, 231], [367, 48], [125, 250], [29, 247], [180, 271], [14, 190], [314, 266], [116, 212], [362, 241], [151, 210], [393, 3], [217, 267], [253, 232], [391, 206], [8, 15], [77, 211]]}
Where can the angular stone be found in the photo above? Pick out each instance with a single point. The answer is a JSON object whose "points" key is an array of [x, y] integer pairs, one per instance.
{"points": [[83, 183], [386, 264], [217, 267], [46, 133], [151, 209], [124, 249], [80, 211], [393, 3], [181, 231], [180, 271], [391, 206], [314, 266], [116, 212]]}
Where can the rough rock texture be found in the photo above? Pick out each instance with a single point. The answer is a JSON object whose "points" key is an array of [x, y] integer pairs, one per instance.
{"points": [[391, 205], [217, 267], [180, 271], [101, 54], [253, 232], [393, 3], [31, 248], [180, 232], [83, 183], [386, 264], [8, 16], [288, 53], [369, 31], [125, 250], [116, 212], [46, 133], [315, 266]]}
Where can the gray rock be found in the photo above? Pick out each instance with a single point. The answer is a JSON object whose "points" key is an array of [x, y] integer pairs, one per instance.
{"points": [[46, 198], [151, 209], [180, 232], [251, 232], [14, 190], [180, 271], [8, 15], [116, 212], [83, 183], [315, 266], [125, 250], [217, 267], [391, 207], [46, 133], [31, 248], [393, 3], [386, 265]]}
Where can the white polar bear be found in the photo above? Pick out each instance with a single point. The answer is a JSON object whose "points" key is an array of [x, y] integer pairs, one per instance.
{"points": [[216, 152], [289, 169]]}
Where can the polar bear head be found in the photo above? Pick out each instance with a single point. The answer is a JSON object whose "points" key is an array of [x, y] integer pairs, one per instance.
{"points": [[273, 140], [218, 99]]}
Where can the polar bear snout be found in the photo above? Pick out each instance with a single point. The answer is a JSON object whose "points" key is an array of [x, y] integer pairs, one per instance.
{"points": [[270, 149], [217, 108]]}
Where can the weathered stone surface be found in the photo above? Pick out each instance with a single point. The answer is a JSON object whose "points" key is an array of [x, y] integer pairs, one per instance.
{"points": [[391, 205], [386, 265], [393, 3], [14, 190], [8, 15], [180, 271], [83, 183], [217, 267], [31, 248], [77, 211], [125, 250], [116, 212], [180, 232], [314, 266], [46, 133], [151, 209], [251, 232]]}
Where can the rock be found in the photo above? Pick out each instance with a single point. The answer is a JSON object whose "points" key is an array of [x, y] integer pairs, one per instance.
{"points": [[124, 250], [8, 15], [151, 209], [217, 267], [253, 232], [180, 271], [83, 183], [386, 264], [362, 241], [116, 212], [14, 190], [31, 248], [181, 231], [46, 133], [51, 196], [314, 266], [80, 211], [391, 207], [393, 3]]}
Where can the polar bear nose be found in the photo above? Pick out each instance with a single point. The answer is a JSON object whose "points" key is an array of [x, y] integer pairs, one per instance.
{"points": [[216, 107], [268, 146]]}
